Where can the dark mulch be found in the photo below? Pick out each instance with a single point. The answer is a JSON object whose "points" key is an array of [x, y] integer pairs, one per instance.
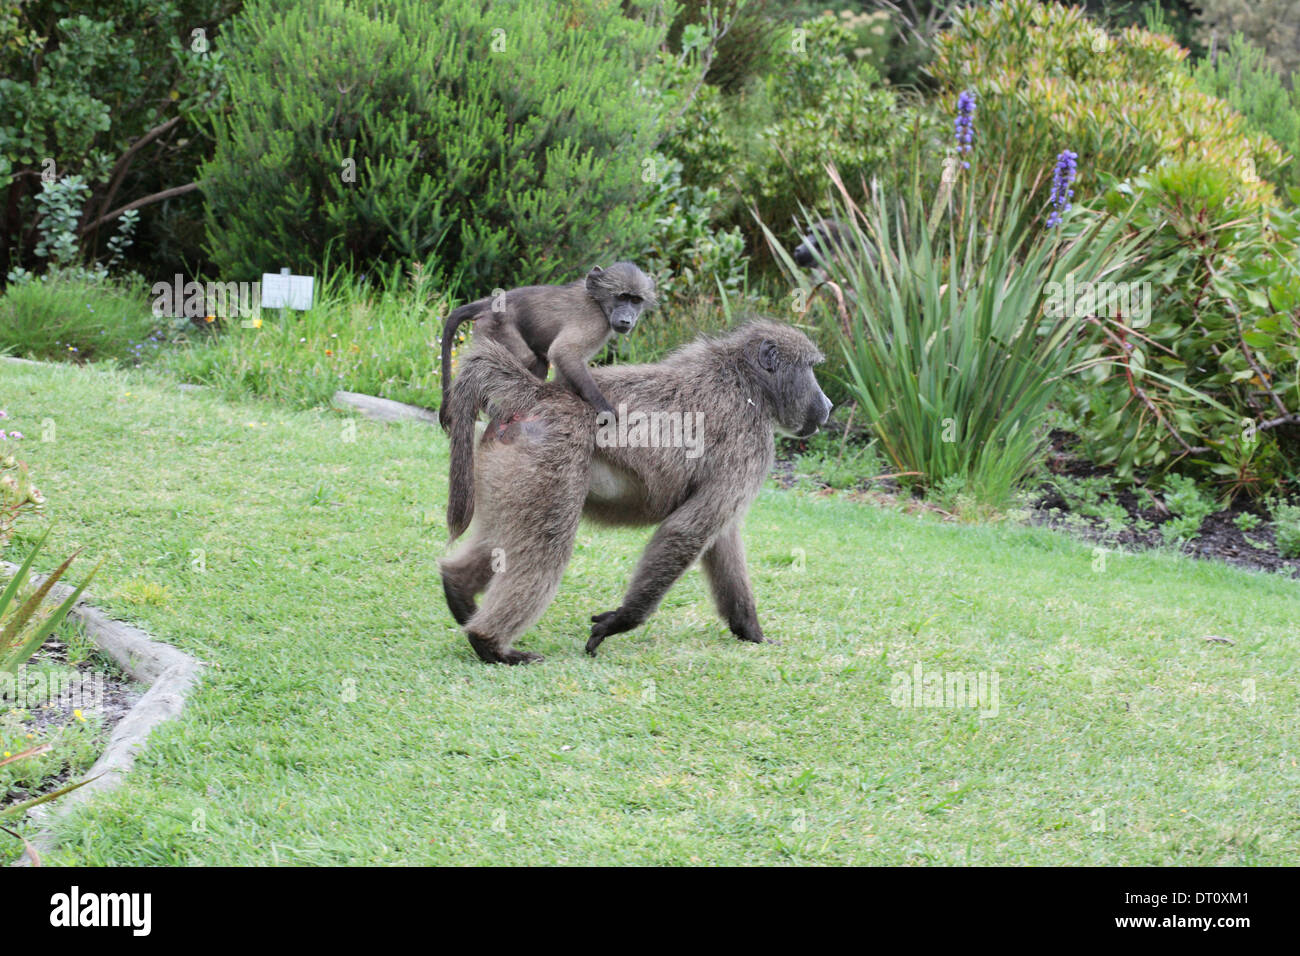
{"points": [[1219, 538], [100, 689]]}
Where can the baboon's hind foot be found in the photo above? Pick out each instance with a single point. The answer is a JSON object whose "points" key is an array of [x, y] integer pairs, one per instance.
{"points": [[489, 652]]}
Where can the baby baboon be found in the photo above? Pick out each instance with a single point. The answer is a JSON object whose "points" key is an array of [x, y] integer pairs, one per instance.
{"points": [[560, 325], [543, 462], [823, 241]]}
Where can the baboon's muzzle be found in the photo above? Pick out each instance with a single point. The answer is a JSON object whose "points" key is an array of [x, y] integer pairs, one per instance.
{"points": [[817, 416], [622, 319]]}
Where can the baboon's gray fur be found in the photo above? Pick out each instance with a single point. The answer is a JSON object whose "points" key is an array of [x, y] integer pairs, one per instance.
{"points": [[537, 471]]}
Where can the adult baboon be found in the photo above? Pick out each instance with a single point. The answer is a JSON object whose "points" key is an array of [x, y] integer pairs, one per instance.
{"points": [[543, 462], [560, 325]]}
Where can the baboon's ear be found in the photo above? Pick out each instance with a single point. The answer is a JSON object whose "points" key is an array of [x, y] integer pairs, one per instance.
{"points": [[593, 276], [768, 357]]}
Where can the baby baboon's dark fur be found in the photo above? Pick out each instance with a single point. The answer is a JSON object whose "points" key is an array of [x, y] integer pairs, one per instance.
{"points": [[540, 326], [560, 325], [537, 470]]}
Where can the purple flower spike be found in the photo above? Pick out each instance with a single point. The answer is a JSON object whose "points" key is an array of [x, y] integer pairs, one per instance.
{"points": [[1067, 166], [964, 124]]}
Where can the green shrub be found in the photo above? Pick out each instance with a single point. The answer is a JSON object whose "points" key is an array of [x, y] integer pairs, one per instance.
{"points": [[1271, 25], [1182, 378], [497, 143], [770, 147], [1092, 497], [831, 460], [747, 49], [1242, 75], [111, 92], [1247, 522], [1188, 505], [691, 256], [1047, 76], [832, 110], [1286, 529], [381, 341]]}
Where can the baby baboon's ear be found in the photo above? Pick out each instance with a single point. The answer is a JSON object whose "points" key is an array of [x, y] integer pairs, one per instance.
{"points": [[768, 357]]}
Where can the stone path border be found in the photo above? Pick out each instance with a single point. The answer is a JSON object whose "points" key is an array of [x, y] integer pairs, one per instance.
{"points": [[170, 674], [384, 409]]}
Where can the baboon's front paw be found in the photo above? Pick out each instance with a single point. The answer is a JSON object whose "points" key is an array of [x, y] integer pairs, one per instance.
{"points": [[603, 625]]}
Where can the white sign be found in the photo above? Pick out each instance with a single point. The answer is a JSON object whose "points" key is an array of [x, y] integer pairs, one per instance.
{"points": [[285, 291]]}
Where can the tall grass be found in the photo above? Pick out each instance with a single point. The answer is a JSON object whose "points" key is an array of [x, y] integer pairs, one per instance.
{"points": [[77, 320], [949, 351], [381, 338]]}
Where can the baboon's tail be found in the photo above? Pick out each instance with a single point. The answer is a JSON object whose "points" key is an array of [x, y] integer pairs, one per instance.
{"points": [[465, 313], [492, 380]]}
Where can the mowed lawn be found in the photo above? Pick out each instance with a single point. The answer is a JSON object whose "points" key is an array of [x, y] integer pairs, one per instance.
{"points": [[344, 719]]}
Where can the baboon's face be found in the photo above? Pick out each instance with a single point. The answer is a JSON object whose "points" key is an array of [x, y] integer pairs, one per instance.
{"points": [[624, 312], [818, 245], [805, 254], [624, 292], [800, 406]]}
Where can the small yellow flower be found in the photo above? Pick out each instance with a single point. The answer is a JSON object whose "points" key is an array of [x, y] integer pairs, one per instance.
{"points": [[257, 323], [77, 714], [8, 754], [209, 318]]}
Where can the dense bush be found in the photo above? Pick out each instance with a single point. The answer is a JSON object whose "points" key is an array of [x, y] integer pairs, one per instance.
{"points": [[1048, 77], [769, 148], [1241, 74], [833, 110], [747, 49], [1207, 375], [111, 92], [691, 256], [500, 143], [1271, 25]]}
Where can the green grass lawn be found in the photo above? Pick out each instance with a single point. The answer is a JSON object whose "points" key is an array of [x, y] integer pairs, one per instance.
{"points": [[344, 719]]}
